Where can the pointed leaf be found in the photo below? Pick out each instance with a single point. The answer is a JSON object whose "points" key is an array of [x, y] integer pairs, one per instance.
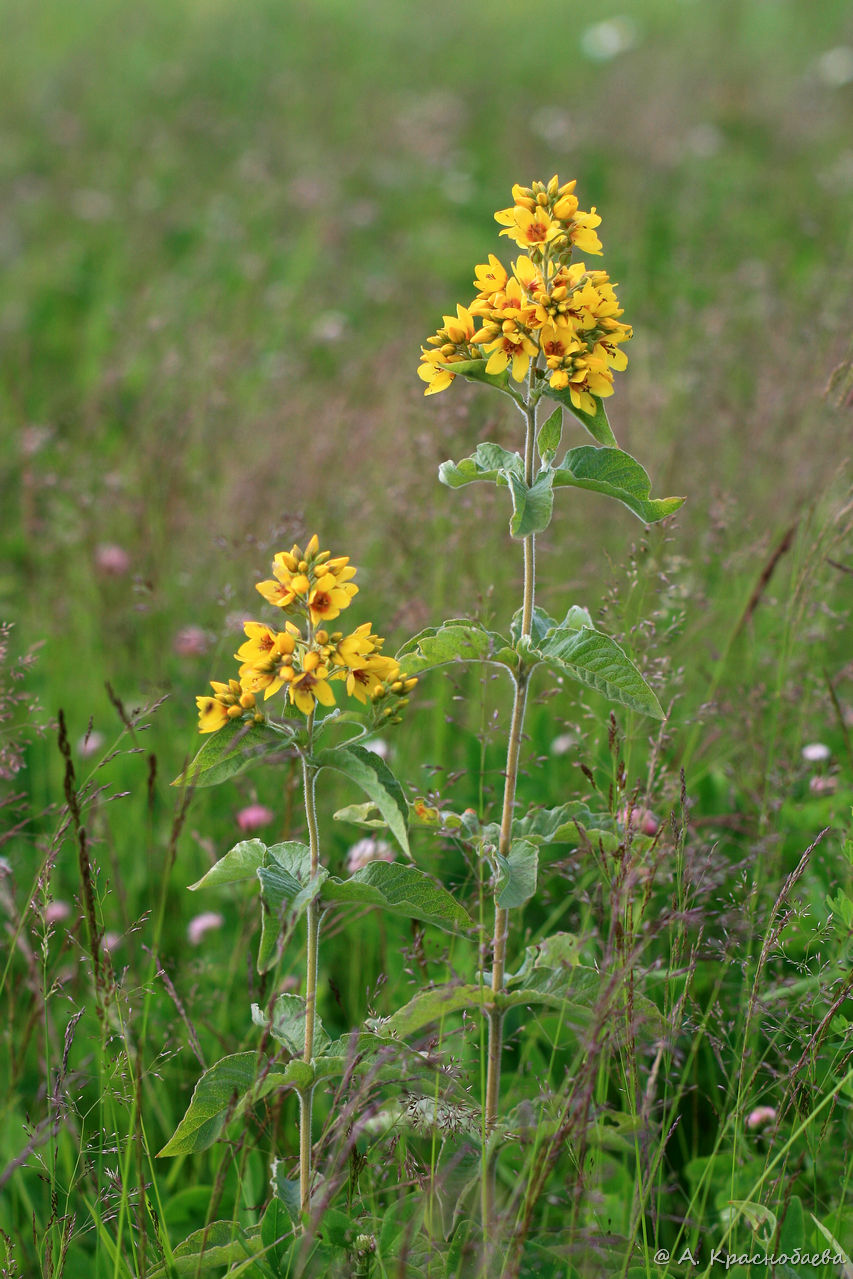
{"points": [[576, 617], [551, 955], [548, 439], [541, 623], [286, 1191], [222, 1093], [531, 507], [401, 890], [597, 423], [286, 890], [241, 862], [429, 1006], [232, 749], [617, 475], [276, 1231], [375, 778], [221, 1243], [456, 640], [287, 1026], [475, 371], [488, 462], [597, 661], [517, 881]]}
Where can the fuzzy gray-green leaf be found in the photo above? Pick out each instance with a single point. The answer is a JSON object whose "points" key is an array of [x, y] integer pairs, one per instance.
{"points": [[457, 640], [596, 423], [429, 1006], [596, 660], [222, 1093], [230, 750], [487, 463], [617, 475], [400, 890], [375, 778], [239, 863], [286, 1024], [531, 507], [518, 871]]}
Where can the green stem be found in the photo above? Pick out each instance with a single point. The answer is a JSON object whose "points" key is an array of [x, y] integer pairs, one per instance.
{"points": [[312, 914], [501, 930]]}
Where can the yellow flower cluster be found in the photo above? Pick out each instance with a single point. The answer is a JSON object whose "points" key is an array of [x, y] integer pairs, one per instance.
{"points": [[548, 310], [306, 659]]}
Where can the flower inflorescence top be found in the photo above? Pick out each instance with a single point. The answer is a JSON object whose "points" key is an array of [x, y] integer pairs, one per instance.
{"points": [[306, 659], [546, 309]]}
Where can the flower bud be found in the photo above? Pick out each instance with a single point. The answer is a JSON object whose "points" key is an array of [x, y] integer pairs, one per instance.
{"points": [[321, 636]]}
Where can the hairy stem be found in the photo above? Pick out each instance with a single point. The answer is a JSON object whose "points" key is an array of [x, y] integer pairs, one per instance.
{"points": [[501, 929], [312, 915]]}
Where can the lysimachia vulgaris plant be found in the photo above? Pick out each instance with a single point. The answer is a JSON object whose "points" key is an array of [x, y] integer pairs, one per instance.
{"points": [[545, 327], [284, 703]]}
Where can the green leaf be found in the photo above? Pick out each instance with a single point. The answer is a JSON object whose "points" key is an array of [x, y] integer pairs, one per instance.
{"points": [[401, 890], [517, 881], [222, 1093], [488, 462], [365, 815], [287, 1027], [232, 749], [429, 1006], [597, 423], [241, 862], [548, 439], [456, 640], [617, 475], [540, 624], [287, 1191], [596, 660], [576, 617], [377, 781], [340, 1230], [531, 507], [475, 371], [276, 1231], [286, 890], [568, 823], [551, 956], [574, 1013], [221, 1243]]}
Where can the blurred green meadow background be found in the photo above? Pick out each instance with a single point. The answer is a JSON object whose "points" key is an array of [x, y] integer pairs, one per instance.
{"points": [[224, 232]]}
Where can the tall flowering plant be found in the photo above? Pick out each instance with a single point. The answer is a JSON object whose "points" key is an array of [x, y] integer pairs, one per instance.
{"points": [[545, 327], [284, 701]]}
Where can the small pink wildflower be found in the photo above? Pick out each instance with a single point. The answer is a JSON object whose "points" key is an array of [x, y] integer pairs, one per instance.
{"points": [[90, 744], [202, 924], [368, 850], [111, 560], [253, 817], [191, 641], [760, 1117], [642, 820]]}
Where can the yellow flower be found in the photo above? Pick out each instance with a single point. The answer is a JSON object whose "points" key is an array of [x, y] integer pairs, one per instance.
{"points": [[310, 582], [528, 229], [311, 685], [328, 598], [230, 701], [364, 681], [490, 278], [512, 349]]}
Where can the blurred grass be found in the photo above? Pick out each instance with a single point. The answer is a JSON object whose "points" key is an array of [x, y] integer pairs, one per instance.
{"points": [[224, 232]]}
